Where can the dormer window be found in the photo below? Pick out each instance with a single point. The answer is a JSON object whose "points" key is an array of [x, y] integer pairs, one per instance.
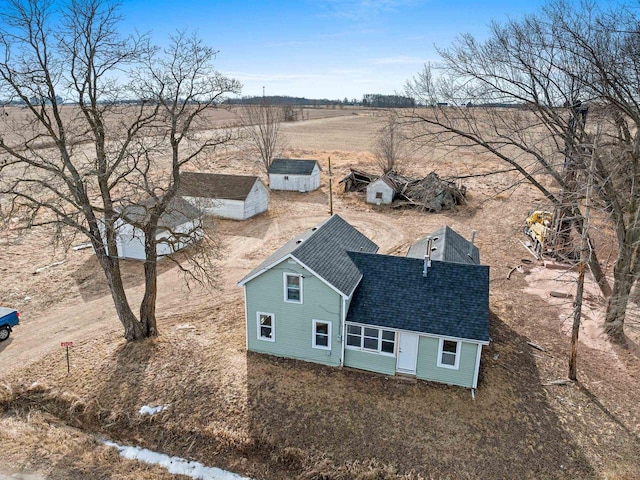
{"points": [[292, 288]]}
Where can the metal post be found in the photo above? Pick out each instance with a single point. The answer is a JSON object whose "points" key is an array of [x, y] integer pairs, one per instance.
{"points": [[68, 365], [330, 189]]}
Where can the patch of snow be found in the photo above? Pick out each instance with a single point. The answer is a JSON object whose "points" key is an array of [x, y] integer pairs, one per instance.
{"points": [[175, 465], [147, 410]]}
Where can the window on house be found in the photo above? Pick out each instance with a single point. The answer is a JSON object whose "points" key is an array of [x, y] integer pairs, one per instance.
{"points": [[448, 356], [371, 339], [379, 195], [292, 288], [286, 177], [266, 327], [321, 335], [354, 336], [388, 341]]}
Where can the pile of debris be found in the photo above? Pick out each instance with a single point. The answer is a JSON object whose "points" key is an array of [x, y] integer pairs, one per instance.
{"points": [[429, 193], [357, 181]]}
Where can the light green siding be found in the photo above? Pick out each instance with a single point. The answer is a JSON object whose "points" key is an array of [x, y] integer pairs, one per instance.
{"points": [[293, 322], [427, 367], [373, 362]]}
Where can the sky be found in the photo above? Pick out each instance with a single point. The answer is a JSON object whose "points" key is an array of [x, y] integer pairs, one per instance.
{"points": [[321, 48]]}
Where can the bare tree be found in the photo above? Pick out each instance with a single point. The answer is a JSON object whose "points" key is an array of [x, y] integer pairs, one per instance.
{"points": [[519, 95], [85, 168], [262, 122], [391, 142]]}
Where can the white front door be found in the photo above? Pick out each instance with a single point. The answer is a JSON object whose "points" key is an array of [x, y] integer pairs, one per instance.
{"points": [[407, 352]]}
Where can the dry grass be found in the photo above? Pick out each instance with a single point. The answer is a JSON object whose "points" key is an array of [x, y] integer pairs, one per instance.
{"points": [[272, 418]]}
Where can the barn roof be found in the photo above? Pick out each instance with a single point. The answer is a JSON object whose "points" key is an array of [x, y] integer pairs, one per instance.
{"points": [[448, 246], [292, 166], [178, 212], [452, 300], [323, 249], [216, 185]]}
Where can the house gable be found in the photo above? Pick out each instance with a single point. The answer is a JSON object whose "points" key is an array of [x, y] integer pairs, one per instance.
{"points": [[293, 322], [323, 251]]}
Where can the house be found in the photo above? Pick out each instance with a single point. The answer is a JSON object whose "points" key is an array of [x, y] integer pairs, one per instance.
{"points": [[228, 196], [447, 245], [295, 175], [381, 191], [178, 227], [326, 296]]}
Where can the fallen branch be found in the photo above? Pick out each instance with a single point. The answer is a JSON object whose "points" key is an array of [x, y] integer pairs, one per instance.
{"points": [[537, 347], [54, 264], [556, 294], [556, 382], [530, 250]]}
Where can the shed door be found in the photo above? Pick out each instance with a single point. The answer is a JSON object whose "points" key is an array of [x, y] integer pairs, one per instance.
{"points": [[407, 353]]}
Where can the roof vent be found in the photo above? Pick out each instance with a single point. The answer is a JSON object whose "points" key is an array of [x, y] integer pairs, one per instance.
{"points": [[314, 229], [427, 257], [298, 242]]}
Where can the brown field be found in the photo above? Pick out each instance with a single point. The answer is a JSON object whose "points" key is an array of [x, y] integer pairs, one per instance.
{"points": [[271, 418]]}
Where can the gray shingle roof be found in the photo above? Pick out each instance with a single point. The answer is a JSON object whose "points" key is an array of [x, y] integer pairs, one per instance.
{"points": [[178, 212], [448, 246], [323, 249], [292, 166], [216, 185], [452, 300]]}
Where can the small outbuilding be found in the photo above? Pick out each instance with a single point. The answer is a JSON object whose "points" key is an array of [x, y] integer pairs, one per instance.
{"points": [[228, 196], [178, 227], [381, 191], [294, 175]]}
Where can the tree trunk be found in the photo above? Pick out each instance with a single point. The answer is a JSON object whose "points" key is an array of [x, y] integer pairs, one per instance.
{"points": [[622, 283], [598, 274], [148, 305], [132, 327], [575, 329]]}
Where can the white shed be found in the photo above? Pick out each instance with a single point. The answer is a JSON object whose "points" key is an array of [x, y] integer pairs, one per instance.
{"points": [[228, 196], [178, 227], [380, 191], [295, 175]]}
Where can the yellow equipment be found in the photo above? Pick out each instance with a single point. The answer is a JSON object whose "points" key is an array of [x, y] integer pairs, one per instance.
{"points": [[538, 227]]}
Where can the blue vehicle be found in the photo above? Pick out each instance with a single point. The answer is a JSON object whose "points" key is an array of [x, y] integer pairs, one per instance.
{"points": [[9, 318]]}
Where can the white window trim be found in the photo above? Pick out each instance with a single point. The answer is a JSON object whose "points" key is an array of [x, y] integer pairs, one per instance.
{"points": [[458, 354], [368, 350], [273, 327], [313, 335], [284, 281]]}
